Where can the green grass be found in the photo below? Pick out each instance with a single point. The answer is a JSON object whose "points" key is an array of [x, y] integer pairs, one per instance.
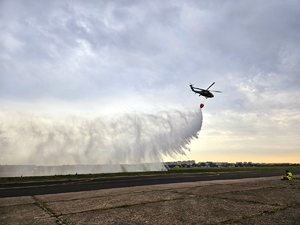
{"points": [[170, 171]]}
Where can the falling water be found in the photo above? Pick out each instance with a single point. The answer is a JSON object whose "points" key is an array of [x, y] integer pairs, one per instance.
{"points": [[121, 142]]}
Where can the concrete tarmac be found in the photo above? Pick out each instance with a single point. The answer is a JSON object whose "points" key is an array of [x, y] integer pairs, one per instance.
{"points": [[246, 201]]}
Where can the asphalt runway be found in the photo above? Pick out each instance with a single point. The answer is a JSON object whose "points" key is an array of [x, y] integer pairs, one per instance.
{"points": [[54, 187]]}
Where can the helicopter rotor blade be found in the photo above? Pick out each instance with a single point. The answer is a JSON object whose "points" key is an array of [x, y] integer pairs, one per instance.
{"points": [[216, 91], [210, 85]]}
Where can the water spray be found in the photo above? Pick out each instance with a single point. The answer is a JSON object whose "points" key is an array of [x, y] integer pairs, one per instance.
{"points": [[117, 140]]}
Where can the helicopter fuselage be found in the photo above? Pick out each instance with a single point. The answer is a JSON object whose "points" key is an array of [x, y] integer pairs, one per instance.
{"points": [[205, 93]]}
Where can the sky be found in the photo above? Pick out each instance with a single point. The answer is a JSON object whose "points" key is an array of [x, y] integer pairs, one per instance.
{"points": [[88, 59]]}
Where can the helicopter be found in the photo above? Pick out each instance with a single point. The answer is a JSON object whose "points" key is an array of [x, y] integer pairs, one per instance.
{"points": [[204, 92]]}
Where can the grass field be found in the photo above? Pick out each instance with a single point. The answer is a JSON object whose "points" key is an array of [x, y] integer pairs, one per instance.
{"points": [[170, 171]]}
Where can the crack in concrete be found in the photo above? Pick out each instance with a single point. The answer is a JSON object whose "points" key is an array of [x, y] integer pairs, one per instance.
{"points": [[51, 212]]}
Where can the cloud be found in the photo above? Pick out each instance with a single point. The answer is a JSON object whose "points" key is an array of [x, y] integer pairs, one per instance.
{"points": [[65, 44], [97, 52]]}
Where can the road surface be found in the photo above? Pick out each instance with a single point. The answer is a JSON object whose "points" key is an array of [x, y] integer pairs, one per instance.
{"points": [[54, 187]]}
